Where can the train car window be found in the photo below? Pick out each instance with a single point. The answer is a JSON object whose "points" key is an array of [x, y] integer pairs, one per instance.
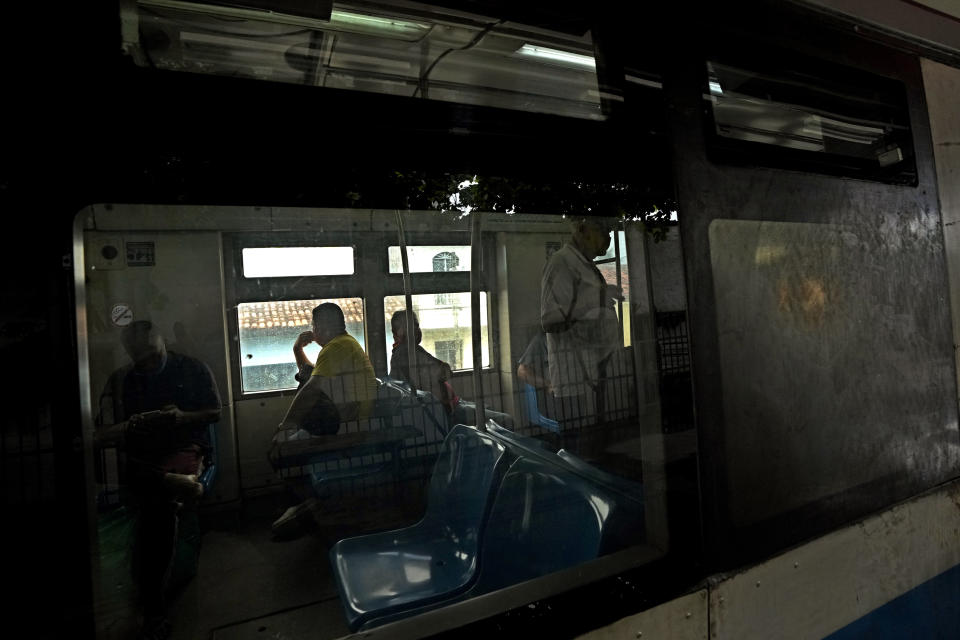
{"points": [[435, 54], [431, 259], [268, 329], [613, 266], [446, 326], [277, 262], [549, 452], [792, 112]]}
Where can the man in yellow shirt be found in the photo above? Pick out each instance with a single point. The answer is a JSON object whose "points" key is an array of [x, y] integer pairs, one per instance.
{"points": [[341, 386]]}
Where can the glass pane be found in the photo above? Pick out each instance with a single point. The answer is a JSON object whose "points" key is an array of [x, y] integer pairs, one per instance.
{"points": [[832, 114], [609, 268], [806, 292], [581, 424], [465, 59], [276, 262], [434, 258], [610, 252], [268, 331], [445, 321]]}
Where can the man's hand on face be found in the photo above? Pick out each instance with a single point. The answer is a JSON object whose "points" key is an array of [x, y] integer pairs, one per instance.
{"points": [[304, 339]]}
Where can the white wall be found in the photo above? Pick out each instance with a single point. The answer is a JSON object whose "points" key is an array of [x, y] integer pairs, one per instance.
{"points": [[182, 294]]}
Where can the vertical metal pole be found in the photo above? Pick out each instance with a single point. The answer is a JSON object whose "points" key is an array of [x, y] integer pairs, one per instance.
{"points": [[476, 262], [408, 304], [423, 83], [616, 252]]}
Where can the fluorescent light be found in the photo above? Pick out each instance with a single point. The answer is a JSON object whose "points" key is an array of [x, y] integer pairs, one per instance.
{"points": [[556, 55], [715, 88], [376, 24], [339, 20]]}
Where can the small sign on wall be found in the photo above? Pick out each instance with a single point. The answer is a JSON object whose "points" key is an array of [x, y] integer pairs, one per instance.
{"points": [[121, 314], [140, 254]]}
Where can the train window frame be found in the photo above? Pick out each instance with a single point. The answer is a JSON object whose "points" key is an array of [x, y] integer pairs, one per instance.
{"points": [[619, 259], [310, 350], [235, 287], [241, 289], [777, 63], [486, 301], [371, 282], [410, 246], [292, 274]]}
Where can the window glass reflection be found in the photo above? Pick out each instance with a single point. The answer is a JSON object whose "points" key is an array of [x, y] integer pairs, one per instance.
{"points": [[268, 331]]}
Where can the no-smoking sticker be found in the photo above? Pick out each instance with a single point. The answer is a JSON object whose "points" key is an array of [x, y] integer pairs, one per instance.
{"points": [[121, 315]]}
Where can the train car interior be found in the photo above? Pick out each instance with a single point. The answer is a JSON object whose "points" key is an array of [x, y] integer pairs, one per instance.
{"points": [[255, 277]]}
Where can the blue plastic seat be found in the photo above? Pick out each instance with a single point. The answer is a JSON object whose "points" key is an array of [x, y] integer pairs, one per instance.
{"points": [[384, 574], [529, 395], [543, 519], [632, 488], [433, 411]]}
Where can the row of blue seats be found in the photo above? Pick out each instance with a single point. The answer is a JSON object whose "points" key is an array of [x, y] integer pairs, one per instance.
{"points": [[501, 509], [398, 416]]}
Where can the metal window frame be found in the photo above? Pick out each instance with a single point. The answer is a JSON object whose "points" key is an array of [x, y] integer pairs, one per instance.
{"points": [[371, 281]]}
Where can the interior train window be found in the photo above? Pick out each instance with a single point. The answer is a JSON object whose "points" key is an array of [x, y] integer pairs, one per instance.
{"points": [[445, 324], [587, 440], [431, 259], [274, 262], [787, 111], [268, 331], [613, 266]]}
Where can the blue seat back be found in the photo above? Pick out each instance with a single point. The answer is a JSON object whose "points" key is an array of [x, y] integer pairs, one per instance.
{"points": [[429, 411], [462, 484], [392, 574], [632, 488], [543, 519], [522, 444], [533, 411], [388, 401]]}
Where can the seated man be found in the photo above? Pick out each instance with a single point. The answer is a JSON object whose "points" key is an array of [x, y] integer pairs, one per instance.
{"points": [[532, 370], [532, 365], [431, 374], [341, 387], [428, 373], [162, 405]]}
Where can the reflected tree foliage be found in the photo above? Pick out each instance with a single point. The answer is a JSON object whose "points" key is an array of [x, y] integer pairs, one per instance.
{"points": [[461, 193]]}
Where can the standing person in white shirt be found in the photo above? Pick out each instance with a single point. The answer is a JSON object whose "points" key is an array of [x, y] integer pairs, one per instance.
{"points": [[577, 314]]}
